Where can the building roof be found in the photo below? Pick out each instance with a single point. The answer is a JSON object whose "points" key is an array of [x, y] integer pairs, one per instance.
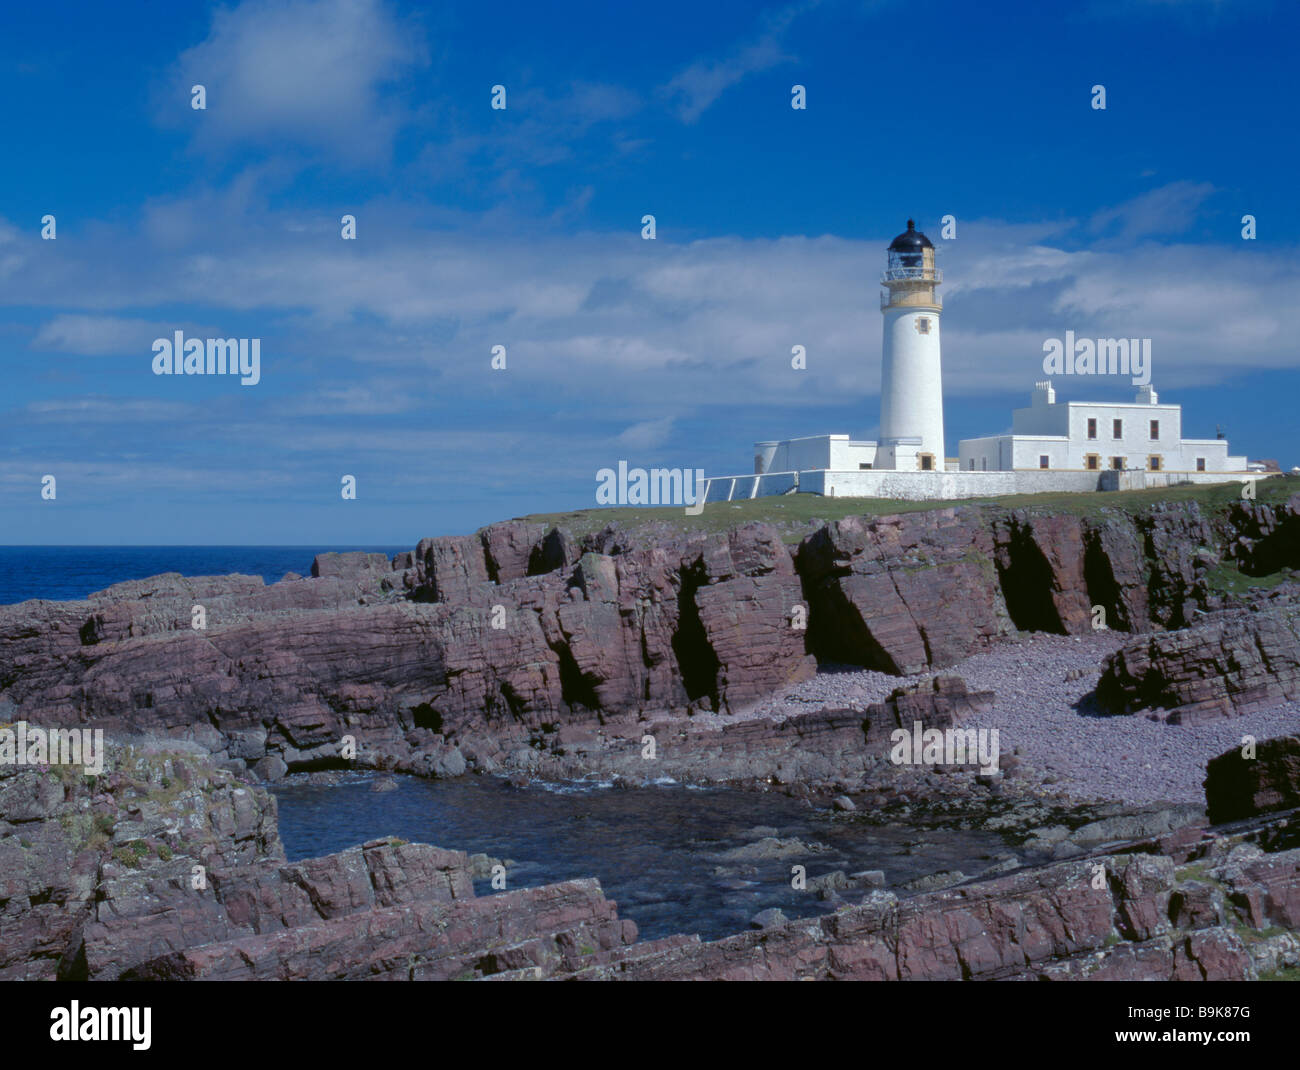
{"points": [[910, 240]]}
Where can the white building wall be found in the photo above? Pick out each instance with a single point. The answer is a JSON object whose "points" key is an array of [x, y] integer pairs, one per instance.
{"points": [[941, 486], [849, 455], [1027, 451], [1135, 444], [980, 454], [798, 454], [906, 456], [1044, 426], [1043, 417], [816, 451], [1215, 452], [945, 486]]}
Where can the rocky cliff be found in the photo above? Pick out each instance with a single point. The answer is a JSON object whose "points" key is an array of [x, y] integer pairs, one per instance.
{"points": [[521, 628]]}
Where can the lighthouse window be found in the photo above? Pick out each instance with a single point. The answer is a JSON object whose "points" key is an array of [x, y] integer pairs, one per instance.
{"points": [[927, 462], [923, 325]]}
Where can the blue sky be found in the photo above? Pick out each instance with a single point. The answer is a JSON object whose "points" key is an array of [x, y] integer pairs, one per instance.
{"points": [[478, 227]]}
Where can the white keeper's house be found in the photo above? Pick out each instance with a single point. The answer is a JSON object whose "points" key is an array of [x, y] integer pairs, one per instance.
{"points": [[1074, 446], [1097, 435]]}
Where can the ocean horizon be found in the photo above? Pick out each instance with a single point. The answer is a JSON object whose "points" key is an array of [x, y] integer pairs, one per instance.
{"points": [[71, 573]]}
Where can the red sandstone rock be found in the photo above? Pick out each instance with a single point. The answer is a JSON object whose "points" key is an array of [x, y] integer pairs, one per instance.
{"points": [[1221, 668], [902, 593], [636, 623], [940, 702]]}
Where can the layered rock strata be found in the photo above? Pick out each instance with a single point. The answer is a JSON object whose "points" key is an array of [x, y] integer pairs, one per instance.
{"points": [[521, 628], [1239, 662]]}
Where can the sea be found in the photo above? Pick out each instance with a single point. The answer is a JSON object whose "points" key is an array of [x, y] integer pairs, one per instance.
{"points": [[70, 573]]}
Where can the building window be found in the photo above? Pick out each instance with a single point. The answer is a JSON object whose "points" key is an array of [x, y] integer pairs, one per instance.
{"points": [[922, 325], [1042, 460], [971, 466], [1092, 461], [1092, 427], [1155, 430], [1153, 462], [984, 464], [863, 466], [927, 461], [1200, 464], [1117, 463], [1117, 429]]}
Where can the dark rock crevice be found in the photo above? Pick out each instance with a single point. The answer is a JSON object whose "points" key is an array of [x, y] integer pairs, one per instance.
{"points": [[577, 691], [697, 661], [1026, 581], [1103, 588], [424, 715]]}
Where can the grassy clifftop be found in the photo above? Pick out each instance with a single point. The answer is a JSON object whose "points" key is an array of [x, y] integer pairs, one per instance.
{"points": [[792, 513]]}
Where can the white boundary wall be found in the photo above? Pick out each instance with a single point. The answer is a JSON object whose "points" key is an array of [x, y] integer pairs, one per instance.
{"points": [[940, 486]]}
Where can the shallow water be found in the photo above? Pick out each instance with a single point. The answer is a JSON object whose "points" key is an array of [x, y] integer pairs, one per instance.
{"points": [[654, 849]]}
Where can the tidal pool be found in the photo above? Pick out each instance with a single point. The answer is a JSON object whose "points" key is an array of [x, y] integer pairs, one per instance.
{"points": [[656, 850]]}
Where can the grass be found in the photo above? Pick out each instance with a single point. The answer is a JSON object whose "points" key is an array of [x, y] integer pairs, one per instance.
{"points": [[786, 510], [1227, 579], [88, 831], [796, 511], [1249, 933], [1196, 871], [131, 854]]}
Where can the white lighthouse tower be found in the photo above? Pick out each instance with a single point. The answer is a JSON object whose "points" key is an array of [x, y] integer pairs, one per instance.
{"points": [[911, 386]]}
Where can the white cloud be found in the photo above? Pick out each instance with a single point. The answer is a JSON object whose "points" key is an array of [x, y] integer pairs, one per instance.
{"points": [[1171, 209], [647, 434], [698, 86], [108, 410], [97, 336], [311, 73], [104, 336], [606, 319]]}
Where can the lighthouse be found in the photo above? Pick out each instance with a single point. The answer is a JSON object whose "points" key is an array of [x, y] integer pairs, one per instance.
{"points": [[911, 385], [1072, 447]]}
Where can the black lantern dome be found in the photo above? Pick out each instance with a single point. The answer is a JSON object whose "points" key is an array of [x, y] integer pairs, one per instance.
{"points": [[910, 241], [907, 254]]}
